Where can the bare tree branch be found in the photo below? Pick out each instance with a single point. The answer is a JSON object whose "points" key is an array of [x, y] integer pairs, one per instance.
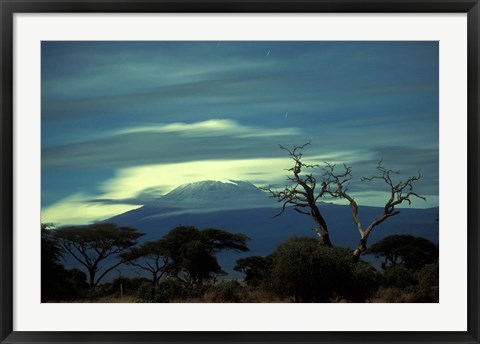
{"points": [[397, 197], [306, 191], [302, 194]]}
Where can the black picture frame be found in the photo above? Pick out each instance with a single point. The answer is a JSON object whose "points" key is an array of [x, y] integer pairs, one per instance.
{"points": [[10, 7]]}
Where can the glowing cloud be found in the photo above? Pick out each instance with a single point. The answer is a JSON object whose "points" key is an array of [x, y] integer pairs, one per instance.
{"points": [[123, 191], [212, 127], [129, 182], [77, 209]]}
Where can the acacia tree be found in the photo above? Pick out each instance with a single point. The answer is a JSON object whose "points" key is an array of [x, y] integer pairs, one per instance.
{"points": [[406, 250], [92, 245], [257, 269], [151, 256], [57, 283], [193, 252], [51, 252], [302, 194]]}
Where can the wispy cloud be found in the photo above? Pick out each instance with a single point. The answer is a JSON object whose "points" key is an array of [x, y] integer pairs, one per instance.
{"points": [[134, 186], [131, 182], [76, 209], [171, 143], [129, 188], [212, 127]]}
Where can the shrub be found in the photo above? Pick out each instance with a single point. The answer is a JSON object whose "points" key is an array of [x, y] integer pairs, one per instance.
{"points": [[69, 285], [257, 269], [428, 278], [146, 293], [406, 285], [364, 282], [164, 292], [399, 277], [130, 286], [228, 291], [308, 271], [428, 275]]}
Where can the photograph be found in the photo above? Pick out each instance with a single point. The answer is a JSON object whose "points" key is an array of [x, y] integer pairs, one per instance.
{"points": [[241, 171]]}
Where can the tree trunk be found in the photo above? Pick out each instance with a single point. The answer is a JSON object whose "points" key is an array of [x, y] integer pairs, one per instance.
{"points": [[326, 240], [362, 246], [317, 216], [91, 283]]}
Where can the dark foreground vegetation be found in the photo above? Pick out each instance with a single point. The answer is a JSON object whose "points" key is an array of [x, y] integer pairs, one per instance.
{"points": [[182, 267]]}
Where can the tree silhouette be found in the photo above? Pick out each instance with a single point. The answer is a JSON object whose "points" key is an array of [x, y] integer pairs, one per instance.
{"points": [[57, 283], [193, 252], [51, 251], [92, 245], [256, 269], [50, 264], [151, 256], [305, 191], [308, 271], [407, 250], [301, 193]]}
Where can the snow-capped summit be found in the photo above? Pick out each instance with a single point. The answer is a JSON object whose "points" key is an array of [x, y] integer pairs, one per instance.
{"points": [[213, 190]]}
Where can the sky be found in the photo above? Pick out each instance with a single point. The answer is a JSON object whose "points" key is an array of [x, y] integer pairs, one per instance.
{"points": [[120, 120]]}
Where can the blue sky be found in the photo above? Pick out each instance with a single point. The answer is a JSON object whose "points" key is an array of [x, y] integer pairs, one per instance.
{"points": [[122, 119]]}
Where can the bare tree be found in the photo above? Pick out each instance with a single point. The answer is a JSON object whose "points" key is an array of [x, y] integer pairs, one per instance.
{"points": [[302, 194], [335, 185]]}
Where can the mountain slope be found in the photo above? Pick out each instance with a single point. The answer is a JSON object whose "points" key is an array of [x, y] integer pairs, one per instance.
{"points": [[211, 195], [211, 190]]}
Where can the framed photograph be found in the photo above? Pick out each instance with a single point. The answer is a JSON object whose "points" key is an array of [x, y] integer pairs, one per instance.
{"points": [[249, 172]]}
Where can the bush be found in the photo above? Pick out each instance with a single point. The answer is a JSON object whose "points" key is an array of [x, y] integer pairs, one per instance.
{"points": [[428, 275], [146, 293], [406, 285], [64, 284], [364, 282], [228, 291], [428, 278], [308, 271], [257, 269], [164, 292], [129, 286], [399, 277]]}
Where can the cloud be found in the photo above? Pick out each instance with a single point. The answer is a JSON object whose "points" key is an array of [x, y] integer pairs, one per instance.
{"points": [[212, 127], [134, 186], [171, 143], [111, 67], [132, 182], [76, 209], [140, 183]]}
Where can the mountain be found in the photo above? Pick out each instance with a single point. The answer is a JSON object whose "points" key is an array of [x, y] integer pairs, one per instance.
{"points": [[209, 195], [239, 206], [211, 190]]}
